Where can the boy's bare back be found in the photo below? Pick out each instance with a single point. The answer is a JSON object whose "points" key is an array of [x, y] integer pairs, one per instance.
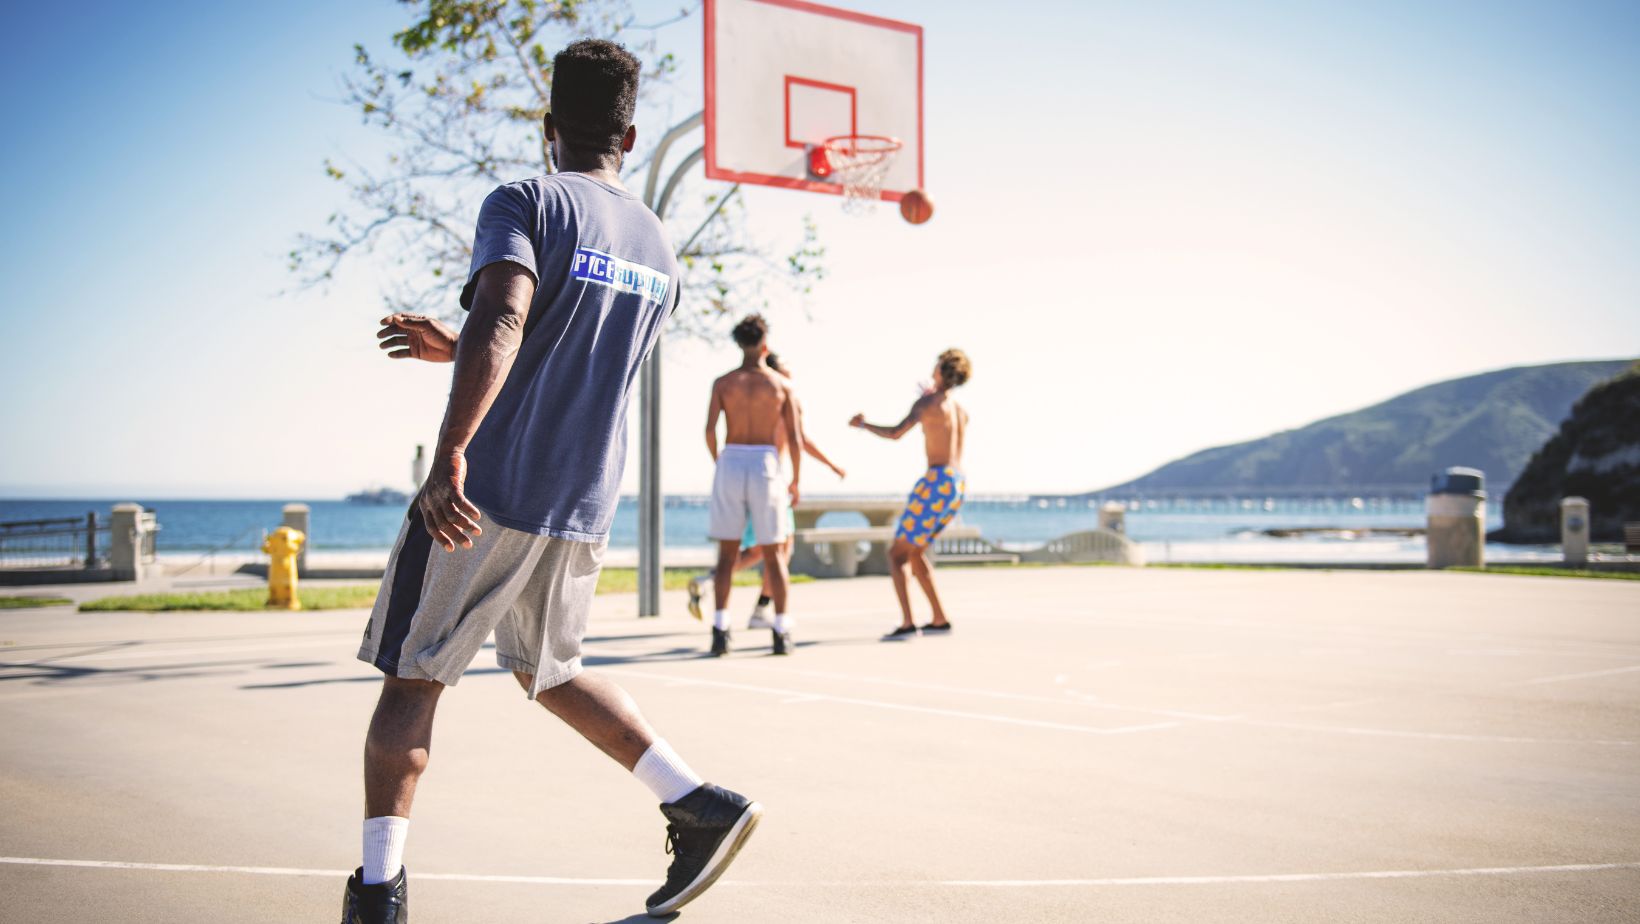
{"points": [[943, 423], [754, 401]]}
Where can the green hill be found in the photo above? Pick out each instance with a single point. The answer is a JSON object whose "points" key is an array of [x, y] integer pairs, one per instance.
{"points": [[1493, 421], [1595, 455]]}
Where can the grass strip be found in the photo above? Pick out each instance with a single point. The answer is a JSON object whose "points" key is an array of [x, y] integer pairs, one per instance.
{"points": [[25, 602], [352, 596], [1542, 571], [341, 597], [625, 580]]}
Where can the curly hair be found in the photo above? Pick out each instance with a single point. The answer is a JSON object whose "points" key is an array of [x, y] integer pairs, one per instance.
{"points": [[750, 331], [955, 367]]}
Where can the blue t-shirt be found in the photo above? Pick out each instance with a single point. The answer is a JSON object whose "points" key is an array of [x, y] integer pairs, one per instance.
{"points": [[548, 456]]}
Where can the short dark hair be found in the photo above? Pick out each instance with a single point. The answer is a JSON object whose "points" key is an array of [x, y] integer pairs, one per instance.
{"points": [[772, 360], [594, 91], [955, 368], [750, 331]]}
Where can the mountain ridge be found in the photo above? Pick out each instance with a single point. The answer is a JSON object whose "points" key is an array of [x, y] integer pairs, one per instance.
{"points": [[1493, 421], [1595, 455]]}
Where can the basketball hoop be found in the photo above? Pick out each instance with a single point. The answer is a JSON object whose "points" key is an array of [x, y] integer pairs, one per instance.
{"points": [[859, 163]]}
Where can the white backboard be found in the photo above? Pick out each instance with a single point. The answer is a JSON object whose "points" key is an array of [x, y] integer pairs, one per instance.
{"points": [[782, 75]]}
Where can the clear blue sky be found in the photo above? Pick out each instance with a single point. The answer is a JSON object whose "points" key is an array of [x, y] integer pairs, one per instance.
{"points": [[1161, 226]]}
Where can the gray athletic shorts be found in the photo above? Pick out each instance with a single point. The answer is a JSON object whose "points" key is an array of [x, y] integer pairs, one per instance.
{"points": [[748, 490], [436, 608]]}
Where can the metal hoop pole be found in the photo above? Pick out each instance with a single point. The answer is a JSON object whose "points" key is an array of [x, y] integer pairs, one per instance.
{"points": [[650, 500]]}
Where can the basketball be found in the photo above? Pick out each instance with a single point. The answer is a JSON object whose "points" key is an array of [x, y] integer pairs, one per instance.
{"points": [[916, 207]]}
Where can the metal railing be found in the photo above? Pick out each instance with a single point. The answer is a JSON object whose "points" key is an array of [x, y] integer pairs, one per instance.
{"points": [[68, 542], [65, 542]]}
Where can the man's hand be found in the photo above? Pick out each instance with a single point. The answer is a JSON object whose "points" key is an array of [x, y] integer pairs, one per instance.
{"points": [[449, 517], [795, 495], [858, 420], [416, 336]]}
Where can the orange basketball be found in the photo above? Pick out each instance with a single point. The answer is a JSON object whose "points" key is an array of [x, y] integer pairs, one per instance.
{"points": [[916, 207]]}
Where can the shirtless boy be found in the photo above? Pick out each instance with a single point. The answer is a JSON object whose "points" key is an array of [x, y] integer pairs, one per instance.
{"points": [[937, 495], [750, 552], [759, 408]]}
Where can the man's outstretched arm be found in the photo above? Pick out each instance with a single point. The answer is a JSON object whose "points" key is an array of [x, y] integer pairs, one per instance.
{"points": [[895, 432], [794, 440], [814, 450], [713, 411], [484, 355]]}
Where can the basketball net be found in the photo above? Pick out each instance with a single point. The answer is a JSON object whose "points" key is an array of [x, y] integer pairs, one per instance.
{"points": [[859, 163]]}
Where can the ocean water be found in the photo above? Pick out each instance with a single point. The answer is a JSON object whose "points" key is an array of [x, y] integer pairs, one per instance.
{"points": [[1186, 530]]}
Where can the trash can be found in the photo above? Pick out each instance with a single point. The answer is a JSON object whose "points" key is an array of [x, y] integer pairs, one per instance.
{"points": [[1113, 516], [1574, 531], [1456, 507]]}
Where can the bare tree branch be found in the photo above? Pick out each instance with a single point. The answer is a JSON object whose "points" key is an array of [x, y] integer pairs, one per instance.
{"points": [[461, 100]]}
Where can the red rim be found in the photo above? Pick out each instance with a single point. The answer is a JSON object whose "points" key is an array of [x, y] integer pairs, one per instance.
{"points": [[859, 145]]}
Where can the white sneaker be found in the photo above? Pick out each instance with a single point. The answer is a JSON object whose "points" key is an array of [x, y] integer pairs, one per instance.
{"points": [[760, 619], [694, 597]]}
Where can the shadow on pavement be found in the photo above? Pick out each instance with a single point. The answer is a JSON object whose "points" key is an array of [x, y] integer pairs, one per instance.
{"points": [[635, 918], [61, 671]]}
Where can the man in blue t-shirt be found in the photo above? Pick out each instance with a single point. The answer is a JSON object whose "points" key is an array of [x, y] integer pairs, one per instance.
{"points": [[572, 280]]}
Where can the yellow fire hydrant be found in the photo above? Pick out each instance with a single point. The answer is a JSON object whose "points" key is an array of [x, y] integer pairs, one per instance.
{"points": [[282, 546]]}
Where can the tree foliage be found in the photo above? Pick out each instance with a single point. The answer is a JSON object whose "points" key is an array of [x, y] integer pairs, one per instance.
{"points": [[460, 98]]}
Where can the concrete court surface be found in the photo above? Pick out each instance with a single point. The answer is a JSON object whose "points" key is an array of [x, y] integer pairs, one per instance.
{"points": [[1093, 744]]}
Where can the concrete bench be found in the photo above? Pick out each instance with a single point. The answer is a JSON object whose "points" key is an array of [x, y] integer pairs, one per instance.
{"points": [[1091, 545], [834, 551]]}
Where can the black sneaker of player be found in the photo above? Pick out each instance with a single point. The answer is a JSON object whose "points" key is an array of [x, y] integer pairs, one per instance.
{"points": [[381, 903], [901, 634], [941, 629], [782, 641], [704, 832], [720, 642]]}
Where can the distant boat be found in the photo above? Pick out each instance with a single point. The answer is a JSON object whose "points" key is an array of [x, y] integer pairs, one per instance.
{"points": [[380, 497]]}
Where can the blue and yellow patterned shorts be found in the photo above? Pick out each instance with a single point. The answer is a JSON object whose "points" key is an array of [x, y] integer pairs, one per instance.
{"points": [[933, 503]]}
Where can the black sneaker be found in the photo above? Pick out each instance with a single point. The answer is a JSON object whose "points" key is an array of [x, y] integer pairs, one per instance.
{"points": [[901, 634], [720, 642], [382, 903], [704, 832], [782, 641], [942, 629]]}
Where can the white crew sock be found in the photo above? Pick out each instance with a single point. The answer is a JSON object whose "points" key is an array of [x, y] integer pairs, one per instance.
{"points": [[720, 619], [664, 772], [384, 847], [783, 623]]}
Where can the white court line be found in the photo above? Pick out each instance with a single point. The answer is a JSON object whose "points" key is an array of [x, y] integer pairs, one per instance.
{"points": [[810, 696], [1384, 636], [1559, 678], [855, 883], [67, 660], [291, 871], [1428, 736], [1295, 877], [989, 694], [1083, 699]]}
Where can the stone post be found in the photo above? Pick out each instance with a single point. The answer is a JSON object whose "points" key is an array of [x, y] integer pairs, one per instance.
{"points": [[1574, 531], [125, 542], [1456, 506], [296, 517], [1113, 516]]}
